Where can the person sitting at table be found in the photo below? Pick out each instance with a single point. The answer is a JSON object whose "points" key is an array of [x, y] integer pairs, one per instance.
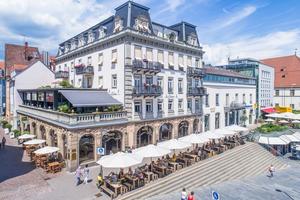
{"points": [[100, 181], [121, 174], [113, 177], [174, 157], [151, 166], [130, 172]]}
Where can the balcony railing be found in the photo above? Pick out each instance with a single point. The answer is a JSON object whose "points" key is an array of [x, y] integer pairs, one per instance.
{"points": [[85, 70], [72, 119], [146, 66], [195, 72], [147, 90], [198, 91], [62, 74]]}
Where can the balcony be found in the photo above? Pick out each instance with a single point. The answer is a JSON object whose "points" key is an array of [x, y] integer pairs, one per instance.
{"points": [[147, 91], [146, 66], [198, 91], [62, 74], [84, 70], [72, 119], [195, 72]]}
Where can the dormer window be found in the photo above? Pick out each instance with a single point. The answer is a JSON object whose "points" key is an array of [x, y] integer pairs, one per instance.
{"points": [[192, 39], [90, 36], [118, 24], [142, 24], [80, 41], [172, 37], [102, 31]]}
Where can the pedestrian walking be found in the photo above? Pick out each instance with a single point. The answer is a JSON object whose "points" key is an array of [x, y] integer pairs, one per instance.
{"points": [[78, 175], [191, 196], [271, 170], [183, 194], [3, 142], [86, 173]]}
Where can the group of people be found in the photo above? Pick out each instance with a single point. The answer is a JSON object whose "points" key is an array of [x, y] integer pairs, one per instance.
{"points": [[2, 142], [187, 196], [85, 173]]}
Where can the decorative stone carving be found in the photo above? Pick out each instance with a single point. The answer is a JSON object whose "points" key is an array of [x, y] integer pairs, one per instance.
{"points": [[118, 24], [102, 31], [142, 24], [192, 39], [91, 36], [80, 40], [73, 43]]}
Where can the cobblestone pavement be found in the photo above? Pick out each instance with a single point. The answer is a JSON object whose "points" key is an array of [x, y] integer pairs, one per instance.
{"points": [[20, 180]]}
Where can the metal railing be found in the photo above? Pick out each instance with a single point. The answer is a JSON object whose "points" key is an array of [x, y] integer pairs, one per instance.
{"points": [[147, 65], [198, 91], [88, 70], [147, 90], [62, 74], [195, 72]]}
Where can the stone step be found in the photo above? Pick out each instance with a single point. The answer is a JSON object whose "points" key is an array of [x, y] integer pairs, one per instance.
{"points": [[224, 158]]}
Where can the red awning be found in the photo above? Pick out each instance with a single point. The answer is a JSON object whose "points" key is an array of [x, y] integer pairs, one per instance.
{"points": [[268, 110]]}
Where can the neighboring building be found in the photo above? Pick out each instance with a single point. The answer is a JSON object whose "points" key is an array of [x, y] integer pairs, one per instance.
{"points": [[35, 75], [264, 76], [17, 58], [2, 89], [230, 95], [153, 70], [287, 80]]}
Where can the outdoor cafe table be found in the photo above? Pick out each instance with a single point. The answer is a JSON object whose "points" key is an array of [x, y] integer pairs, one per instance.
{"points": [[135, 181], [191, 156], [54, 167], [149, 175], [174, 165], [162, 169], [115, 187]]}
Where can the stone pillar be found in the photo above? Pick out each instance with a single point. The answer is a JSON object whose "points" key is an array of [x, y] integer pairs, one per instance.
{"points": [[124, 140], [21, 123], [98, 143], [175, 130], [190, 131], [155, 136], [73, 151], [130, 135], [38, 131], [60, 142], [48, 137]]}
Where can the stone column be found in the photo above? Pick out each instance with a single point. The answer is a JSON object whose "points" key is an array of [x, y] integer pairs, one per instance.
{"points": [[175, 130], [60, 142], [98, 143], [130, 135], [155, 134], [190, 131], [73, 151], [48, 137], [21, 124]]}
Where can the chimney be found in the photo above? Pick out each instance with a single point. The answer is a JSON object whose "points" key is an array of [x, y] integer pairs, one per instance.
{"points": [[26, 50]]}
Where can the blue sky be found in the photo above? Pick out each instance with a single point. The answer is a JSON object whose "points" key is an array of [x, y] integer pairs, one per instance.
{"points": [[226, 28]]}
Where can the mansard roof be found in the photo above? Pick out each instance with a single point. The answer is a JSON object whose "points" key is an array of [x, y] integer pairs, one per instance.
{"points": [[128, 16]]}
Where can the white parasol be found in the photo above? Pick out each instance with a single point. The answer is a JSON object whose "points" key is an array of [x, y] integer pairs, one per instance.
{"points": [[174, 144], [26, 136], [120, 160], [151, 151], [34, 141], [46, 150]]}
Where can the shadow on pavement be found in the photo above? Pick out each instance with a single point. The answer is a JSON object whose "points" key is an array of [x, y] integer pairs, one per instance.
{"points": [[11, 164]]}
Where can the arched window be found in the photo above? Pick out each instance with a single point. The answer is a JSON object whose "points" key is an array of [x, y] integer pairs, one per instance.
{"points": [[33, 131], [53, 137], [195, 125], [183, 128], [144, 136], [43, 132], [112, 142], [165, 132], [86, 148]]}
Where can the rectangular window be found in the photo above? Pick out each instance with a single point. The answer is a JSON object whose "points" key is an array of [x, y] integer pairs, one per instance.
{"points": [[160, 56], [217, 120], [189, 61], [79, 61], [114, 81], [206, 123], [180, 104], [171, 59], [100, 59], [149, 106], [227, 100], [244, 98], [217, 99], [180, 89], [236, 97], [138, 52], [189, 104], [160, 106], [292, 93], [137, 107], [170, 85], [89, 61], [170, 105], [160, 82], [197, 105], [149, 54], [250, 99], [114, 56], [72, 66], [100, 81], [207, 101], [99, 68], [180, 60], [197, 63]]}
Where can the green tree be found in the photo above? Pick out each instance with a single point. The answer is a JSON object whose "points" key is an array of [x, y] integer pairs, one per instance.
{"points": [[65, 84]]}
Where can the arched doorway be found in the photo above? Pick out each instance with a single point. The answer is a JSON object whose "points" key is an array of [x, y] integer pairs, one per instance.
{"points": [[86, 148], [195, 125], [112, 142], [53, 138], [183, 128], [165, 132], [43, 132], [33, 128], [144, 136]]}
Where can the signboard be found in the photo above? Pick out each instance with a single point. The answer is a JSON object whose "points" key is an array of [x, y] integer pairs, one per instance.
{"points": [[100, 151], [215, 195]]}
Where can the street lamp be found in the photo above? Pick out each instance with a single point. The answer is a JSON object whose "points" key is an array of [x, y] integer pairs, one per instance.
{"points": [[278, 190]]}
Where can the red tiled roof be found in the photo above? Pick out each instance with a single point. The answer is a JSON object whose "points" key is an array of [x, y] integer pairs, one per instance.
{"points": [[287, 70], [18, 57], [224, 72]]}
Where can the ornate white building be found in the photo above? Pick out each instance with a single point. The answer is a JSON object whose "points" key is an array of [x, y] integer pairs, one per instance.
{"points": [[153, 70]]}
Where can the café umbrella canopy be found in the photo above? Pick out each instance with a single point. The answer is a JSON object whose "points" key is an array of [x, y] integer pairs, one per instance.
{"points": [[225, 132], [174, 144], [46, 150], [151, 151], [269, 120], [295, 122], [283, 121], [212, 135], [120, 160], [194, 139], [26, 136], [236, 128], [34, 142]]}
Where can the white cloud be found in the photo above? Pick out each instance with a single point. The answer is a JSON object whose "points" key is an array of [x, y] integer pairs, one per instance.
{"points": [[237, 16], [271, 45]]}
